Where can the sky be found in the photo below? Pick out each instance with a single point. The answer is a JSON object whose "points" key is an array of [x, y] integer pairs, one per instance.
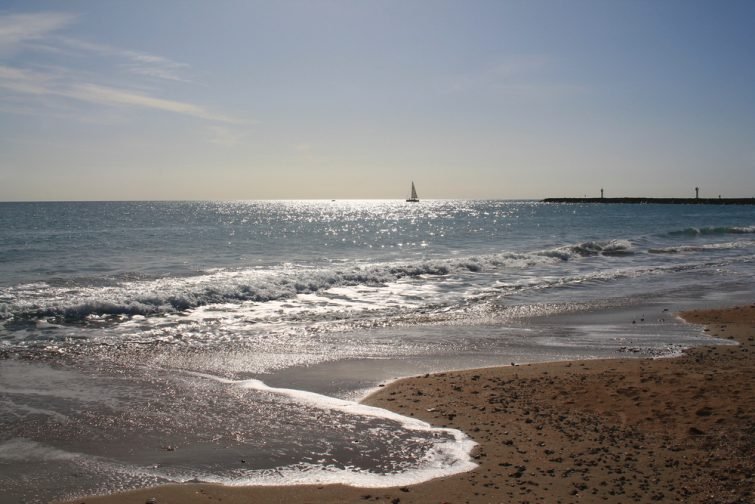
{"points": [[504, 99]]}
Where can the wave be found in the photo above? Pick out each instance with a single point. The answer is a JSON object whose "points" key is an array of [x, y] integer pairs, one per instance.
{"points": [[608, 248], [713, 230], [605, 248], [96, 303], [177, 294], [699, 248]]}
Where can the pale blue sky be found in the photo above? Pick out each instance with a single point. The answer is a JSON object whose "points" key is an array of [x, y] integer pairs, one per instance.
{"points": [[354, 99]]}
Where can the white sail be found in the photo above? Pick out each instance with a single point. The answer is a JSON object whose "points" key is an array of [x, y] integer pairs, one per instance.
{"points": [[413, 198]]}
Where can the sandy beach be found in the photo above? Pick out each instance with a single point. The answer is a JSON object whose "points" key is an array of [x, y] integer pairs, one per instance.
{"points": [[634, 430]]}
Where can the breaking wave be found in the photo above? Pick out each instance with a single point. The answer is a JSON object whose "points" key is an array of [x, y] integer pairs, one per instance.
{"points": [[719, 230], [129, 297], [605, 248], [177, 294], [699, 248]]}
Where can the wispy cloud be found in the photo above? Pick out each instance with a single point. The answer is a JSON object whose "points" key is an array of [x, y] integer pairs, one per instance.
{"points": [[40, 31], [113, 96], [16, 29], [23, 81], [134, 62], [43, 32], [38, 83]]}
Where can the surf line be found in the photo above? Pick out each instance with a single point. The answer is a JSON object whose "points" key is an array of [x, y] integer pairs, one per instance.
{"points": [[457, 449]]}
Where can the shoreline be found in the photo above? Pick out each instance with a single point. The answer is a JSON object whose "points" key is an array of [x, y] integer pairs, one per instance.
{"points": [[645, 430]]}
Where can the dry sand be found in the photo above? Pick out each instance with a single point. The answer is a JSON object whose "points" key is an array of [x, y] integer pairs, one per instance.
{"points": [[668, 430]]}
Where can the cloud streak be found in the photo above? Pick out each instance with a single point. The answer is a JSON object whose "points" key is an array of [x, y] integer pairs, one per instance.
{"points": [[23, 81], [136, 62], [38, 83], [16, 29], [41, 32], [113, 96]]}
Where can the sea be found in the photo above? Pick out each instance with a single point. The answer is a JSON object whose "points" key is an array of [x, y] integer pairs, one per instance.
{"points": [[148, 343]]}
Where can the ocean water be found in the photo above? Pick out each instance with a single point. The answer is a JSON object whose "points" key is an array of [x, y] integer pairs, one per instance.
{"points": [[144, 343]]}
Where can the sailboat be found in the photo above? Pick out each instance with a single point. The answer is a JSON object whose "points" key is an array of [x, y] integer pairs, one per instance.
{"points": [[413, 198]]}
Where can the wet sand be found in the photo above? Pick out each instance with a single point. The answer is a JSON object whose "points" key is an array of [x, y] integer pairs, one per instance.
{"points": [[635, 430]]}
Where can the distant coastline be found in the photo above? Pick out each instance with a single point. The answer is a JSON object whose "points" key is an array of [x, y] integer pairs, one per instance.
{"points": [[661, 201]]}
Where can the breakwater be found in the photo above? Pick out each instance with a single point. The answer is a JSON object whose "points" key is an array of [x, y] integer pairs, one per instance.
{"points": [[661, 201]]}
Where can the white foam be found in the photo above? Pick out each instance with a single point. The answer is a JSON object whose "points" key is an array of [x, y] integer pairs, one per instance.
{"points": [[279, 283], [447, 457], [310, 474]]}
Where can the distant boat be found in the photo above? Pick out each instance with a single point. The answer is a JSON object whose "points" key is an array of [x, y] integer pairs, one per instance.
{"points": [[413, 198]]}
